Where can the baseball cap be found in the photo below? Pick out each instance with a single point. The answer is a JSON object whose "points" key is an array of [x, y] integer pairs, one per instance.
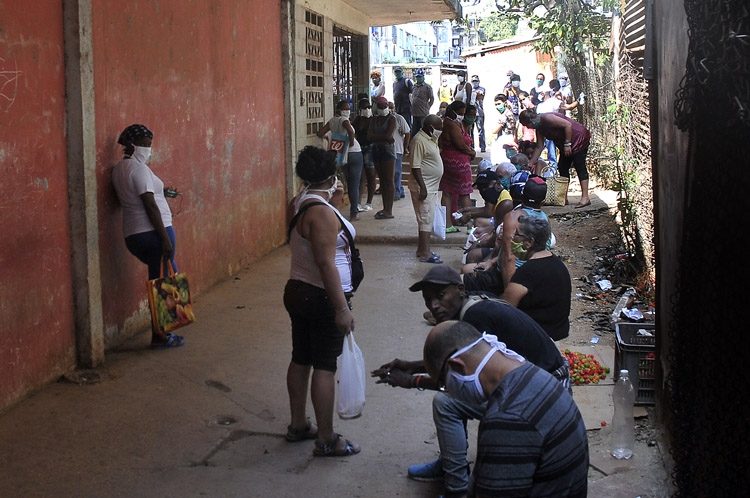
{"points": [[475, 78], [398, 68], [485, 178], [380, 100], [440, 275], [534, 191], [419, 72]]}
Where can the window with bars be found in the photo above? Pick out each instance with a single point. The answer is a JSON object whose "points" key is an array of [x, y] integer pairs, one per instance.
{"points": [[350, 72], [314, 71]]}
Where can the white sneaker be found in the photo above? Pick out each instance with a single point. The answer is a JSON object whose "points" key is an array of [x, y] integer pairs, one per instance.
{"points": [[368, 207], [360, 209]]}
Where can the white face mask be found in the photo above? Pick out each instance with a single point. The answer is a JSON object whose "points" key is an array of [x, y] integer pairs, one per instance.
{"points": [[563, 82], [461, 79], [141, 154], [345, 114], [365, 113], [382, 112], [459, 117], [467, 388], [330, 191], [436, 134], [516, 83]]}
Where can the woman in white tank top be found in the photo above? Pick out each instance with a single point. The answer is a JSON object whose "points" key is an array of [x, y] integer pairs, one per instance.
{"points": [[317, 300]]}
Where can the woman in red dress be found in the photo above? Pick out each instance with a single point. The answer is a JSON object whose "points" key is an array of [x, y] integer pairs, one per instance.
{"points": [[457, 152]]}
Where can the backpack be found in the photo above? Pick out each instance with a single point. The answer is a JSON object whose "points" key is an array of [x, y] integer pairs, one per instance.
{"points": [[474, 299], [356, 265]]}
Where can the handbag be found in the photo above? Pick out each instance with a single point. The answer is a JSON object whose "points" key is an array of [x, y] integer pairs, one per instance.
{"points": [[169, 300], [557, 186], [355, 262], [350, 382], [438, 223]]}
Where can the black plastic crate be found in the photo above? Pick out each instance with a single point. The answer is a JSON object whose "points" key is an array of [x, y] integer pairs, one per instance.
{"points": [[637, 355]]}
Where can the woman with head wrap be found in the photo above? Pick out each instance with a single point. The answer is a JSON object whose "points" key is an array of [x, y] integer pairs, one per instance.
{"points": [[457, 153], [146, 217], [317, 298]]}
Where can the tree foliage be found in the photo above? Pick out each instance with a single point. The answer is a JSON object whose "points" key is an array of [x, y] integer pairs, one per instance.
{"points": [[573, 25], [498, 27]]}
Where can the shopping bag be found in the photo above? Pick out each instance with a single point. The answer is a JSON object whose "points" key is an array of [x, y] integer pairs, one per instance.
{"points": [[438, 224], [557, 186], [170, 301], [339, 143], [350, 382]]}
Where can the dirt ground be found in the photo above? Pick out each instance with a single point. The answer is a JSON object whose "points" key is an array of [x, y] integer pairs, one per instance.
{"points": [[590, 244]]}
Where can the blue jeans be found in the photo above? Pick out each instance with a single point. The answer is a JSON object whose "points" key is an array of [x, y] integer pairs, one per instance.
{"points": [[353, 173], [480, 131], [551, 153], [450, 416], [398, 193], [146, 246]]}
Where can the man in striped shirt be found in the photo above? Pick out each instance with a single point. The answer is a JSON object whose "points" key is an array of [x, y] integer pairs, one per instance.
{"points": [[532, 440]]}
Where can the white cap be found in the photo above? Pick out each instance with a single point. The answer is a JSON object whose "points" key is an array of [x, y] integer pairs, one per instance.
{"points": [[624, 373]]}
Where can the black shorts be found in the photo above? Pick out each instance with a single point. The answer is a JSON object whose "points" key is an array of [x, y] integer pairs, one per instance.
{"points": [[316, 340], [484, 281], [577, 160]]}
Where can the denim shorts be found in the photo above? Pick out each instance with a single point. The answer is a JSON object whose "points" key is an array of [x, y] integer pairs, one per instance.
{"points": [[383, 152], [316, 340]]}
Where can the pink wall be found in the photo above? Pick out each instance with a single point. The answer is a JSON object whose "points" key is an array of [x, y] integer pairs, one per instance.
{"points": [[36, 318], [206, 77]]}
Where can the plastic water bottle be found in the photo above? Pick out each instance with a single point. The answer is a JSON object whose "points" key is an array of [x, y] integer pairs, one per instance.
{"points": [[623, 424]]}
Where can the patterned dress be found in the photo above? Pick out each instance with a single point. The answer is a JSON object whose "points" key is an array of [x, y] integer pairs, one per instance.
{"points": [[456, 168]]}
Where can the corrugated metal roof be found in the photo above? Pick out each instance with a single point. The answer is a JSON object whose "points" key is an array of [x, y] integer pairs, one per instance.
{"points": [[387, 12]]}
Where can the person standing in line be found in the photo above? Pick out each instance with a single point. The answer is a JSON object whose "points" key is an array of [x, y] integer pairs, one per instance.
{"points": [[380, 134], [401, 137], [317, 297], [509, 83], [538, 93], [463, 89], [515, 97], [361, 126], [422, 98], [424, 183], [146, 217], [402, 91], [378, 88], [457, 153], [339, 125], [445, 93], [477, 100]]}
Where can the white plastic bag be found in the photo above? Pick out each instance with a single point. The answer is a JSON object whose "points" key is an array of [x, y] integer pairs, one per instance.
{"points": [[438, 224], [350, 383]]}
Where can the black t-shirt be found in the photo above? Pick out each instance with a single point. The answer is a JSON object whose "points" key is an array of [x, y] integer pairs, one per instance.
{"points": [[517, 330], [548, 299]]}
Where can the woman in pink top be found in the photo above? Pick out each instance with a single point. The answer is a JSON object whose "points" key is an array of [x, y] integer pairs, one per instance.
{"points": [[456, 152]]}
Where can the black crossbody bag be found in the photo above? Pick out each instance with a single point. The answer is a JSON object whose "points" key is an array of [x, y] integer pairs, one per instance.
{"points": [[357, 267]]}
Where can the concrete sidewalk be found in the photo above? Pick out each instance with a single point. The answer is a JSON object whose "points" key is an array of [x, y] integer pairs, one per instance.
{"points": [[208, 419]]}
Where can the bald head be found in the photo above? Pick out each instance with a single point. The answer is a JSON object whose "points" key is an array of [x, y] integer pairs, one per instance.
{"points": [[444, 339], [430, 123]]}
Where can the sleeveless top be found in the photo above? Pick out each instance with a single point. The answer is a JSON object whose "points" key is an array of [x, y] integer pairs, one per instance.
{"points": [[303, 261], [336, 124]]}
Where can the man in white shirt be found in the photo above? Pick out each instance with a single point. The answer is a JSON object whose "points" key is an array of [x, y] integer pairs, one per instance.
{"points": [[424, 183], [401, 137]]}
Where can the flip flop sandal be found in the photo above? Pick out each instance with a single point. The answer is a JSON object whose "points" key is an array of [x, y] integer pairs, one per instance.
{"points": [[172, 341], [333, 449], [434, 258], [452, 229], [308, 432], [380, 215], [578, 206]]}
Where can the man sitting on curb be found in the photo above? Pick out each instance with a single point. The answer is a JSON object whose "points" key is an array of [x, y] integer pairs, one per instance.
{"points": [[532, 439], [445, 297]]}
